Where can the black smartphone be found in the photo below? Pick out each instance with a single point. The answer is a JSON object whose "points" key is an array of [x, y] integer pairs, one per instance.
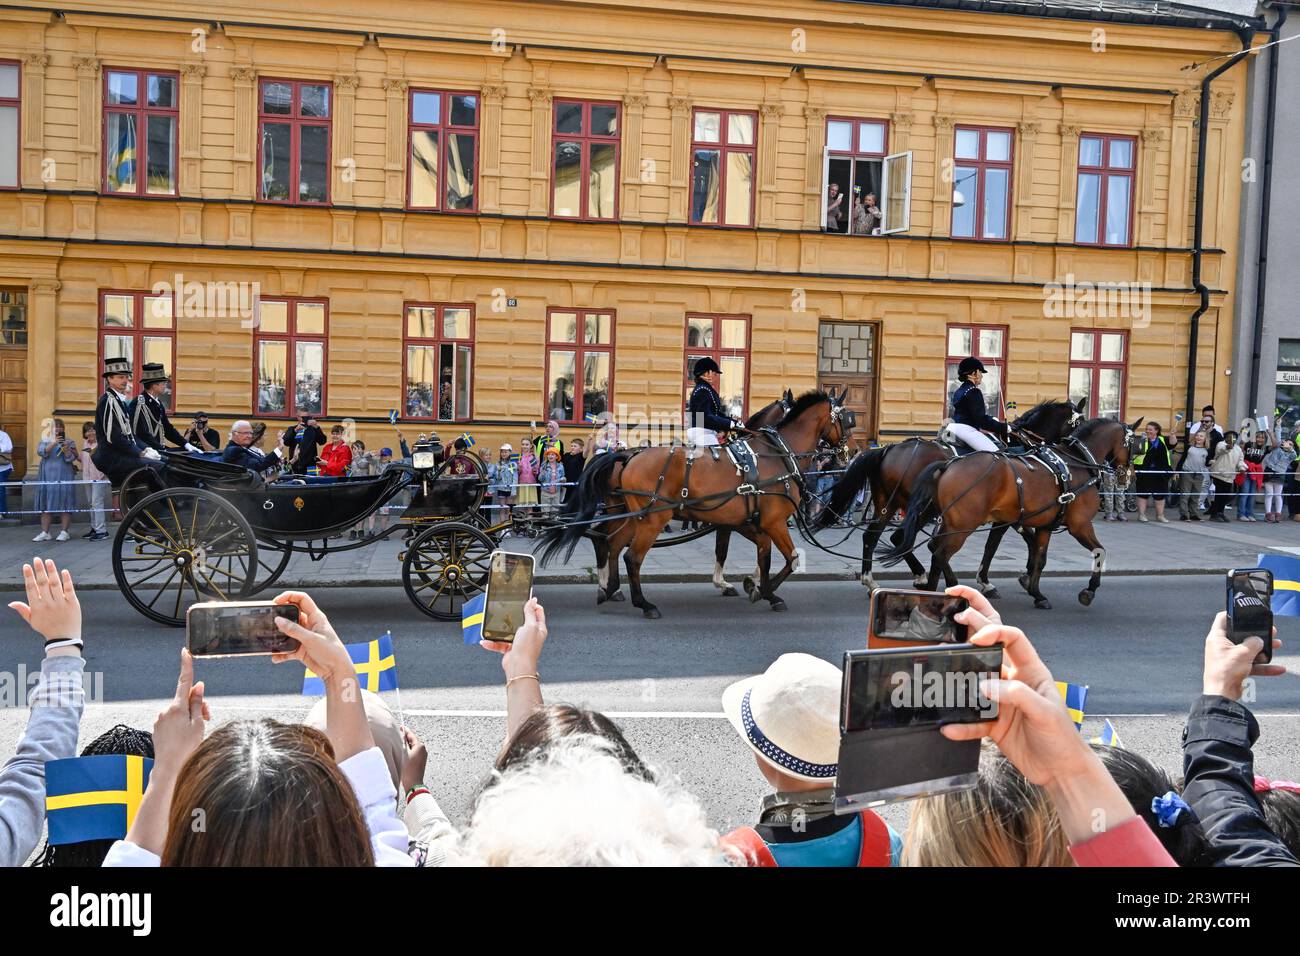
{"points": [[1250, 608], [509, 586], [895, 688], [901, 618], [236, 628]]}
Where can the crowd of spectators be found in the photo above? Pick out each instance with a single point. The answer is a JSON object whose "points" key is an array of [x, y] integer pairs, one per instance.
{"points": [[348, 785]]}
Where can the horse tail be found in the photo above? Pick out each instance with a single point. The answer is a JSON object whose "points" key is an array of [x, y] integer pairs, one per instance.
{"points": [[580, 507], [862, 470], [920, 509]]}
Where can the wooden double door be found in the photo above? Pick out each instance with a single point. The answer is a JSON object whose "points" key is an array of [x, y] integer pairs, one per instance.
{"points": [[13, 374], [846, 361]]}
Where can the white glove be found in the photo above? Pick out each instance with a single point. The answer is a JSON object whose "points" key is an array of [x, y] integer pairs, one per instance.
{"points": [[151, 454], [189, 447]]}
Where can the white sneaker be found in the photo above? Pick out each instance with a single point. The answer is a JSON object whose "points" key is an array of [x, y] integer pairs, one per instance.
{"points": [[1163, 520], [43, 536], [1143, 519], [63, 536]]}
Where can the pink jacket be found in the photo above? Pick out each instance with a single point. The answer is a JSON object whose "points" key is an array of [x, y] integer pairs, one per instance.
{"points": [[1130, 844], [528, 468]]}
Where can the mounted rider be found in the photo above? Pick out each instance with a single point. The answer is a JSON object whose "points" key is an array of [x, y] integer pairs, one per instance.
{"points": [[706, 416], [970, 417]]}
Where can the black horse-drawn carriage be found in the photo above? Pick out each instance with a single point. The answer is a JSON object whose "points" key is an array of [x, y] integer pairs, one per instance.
{"points": [[200, 530]]}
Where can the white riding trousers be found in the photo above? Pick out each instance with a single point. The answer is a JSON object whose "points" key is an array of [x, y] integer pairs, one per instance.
{"points": [[972, 437], [699, 437]]}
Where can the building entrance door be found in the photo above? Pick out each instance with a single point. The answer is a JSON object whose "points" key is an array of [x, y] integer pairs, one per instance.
{"points": [[846, 360], [13, 375]]}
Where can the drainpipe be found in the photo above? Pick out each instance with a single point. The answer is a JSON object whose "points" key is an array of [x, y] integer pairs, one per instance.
{"points": [[1197, 241], [1261, 266]]}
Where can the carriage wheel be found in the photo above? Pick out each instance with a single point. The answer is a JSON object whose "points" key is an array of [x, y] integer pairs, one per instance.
{"points": [[137, 486], [272, 558], [179, 546], [445, 566]]}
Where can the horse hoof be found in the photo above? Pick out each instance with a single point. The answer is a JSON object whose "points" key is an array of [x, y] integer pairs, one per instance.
{"points": [[992, 594], [919, 584], [601, 598], [748, 585], [651, 613], [866, 582], [754, 595], [729, 591], [617, 596], [778, 604], [1085, 597], [1043, 604]]}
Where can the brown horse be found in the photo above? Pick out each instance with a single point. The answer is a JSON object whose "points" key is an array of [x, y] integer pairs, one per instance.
{"points": [[891, 471], [1015, 491], [649, 487]]}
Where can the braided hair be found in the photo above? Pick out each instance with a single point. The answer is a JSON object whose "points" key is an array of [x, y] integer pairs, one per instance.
{"points": [[119, 741]]}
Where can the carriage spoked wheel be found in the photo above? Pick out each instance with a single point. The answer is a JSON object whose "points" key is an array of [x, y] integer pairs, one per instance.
{"points": [[180, 546], [445, 566], [137, 486], [272, 558]]}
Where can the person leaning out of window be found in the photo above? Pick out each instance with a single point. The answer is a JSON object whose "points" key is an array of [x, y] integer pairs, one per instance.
{"points": [[1153, 463], [1226, 464]]}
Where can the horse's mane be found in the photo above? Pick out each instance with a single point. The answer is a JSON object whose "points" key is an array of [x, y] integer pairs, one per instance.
{"points": [[1043, 409], [801, 404], [1085, 431]]}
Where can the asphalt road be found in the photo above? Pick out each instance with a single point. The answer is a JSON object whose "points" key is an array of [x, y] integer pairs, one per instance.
{"points": [[1138, 648]]}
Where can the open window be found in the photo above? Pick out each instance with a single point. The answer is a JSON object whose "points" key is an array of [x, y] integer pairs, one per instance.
{"points": [[896, 198], [853, 176]]}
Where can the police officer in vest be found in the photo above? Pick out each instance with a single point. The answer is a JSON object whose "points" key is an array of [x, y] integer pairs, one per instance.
{"points": [[706, 416], [149, 419], [119, 452], [970, 417]]}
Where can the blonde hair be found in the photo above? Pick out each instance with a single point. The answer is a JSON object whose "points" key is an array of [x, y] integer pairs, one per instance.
{"points": [[574, 804], [1004, 821]]}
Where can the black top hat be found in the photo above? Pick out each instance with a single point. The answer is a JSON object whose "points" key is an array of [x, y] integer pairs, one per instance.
{"points": [[116, 366], [153, 372]]}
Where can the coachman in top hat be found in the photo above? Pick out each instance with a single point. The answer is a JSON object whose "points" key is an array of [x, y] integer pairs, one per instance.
{"points": [[119, 452], [149, 419]]}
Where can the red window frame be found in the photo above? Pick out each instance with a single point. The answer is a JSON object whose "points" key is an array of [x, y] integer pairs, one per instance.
{"points": [[296, 122], [1104, 172], [137, 333], [435, 342], [982, 166], [1002, 361], [586, 140], [444, 127], [291, 336], [725, 147], [16, 103], [142, 112], [854, 155], [717, 352], [580, 349], [1095, 365]]}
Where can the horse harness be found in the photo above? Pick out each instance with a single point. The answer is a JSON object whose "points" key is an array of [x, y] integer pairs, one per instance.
{"points": [[1059, 468]]}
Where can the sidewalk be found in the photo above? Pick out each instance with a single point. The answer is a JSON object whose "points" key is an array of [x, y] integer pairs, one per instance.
{"points": [[1132, 548]]}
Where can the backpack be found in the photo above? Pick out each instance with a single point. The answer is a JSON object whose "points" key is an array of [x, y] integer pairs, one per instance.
{"points": [[875, 850]]}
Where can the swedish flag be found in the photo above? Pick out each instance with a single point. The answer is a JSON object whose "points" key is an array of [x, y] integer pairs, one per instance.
{"points": [[1286, 583], [374, 662], [1074, 696], [468, 439], [392, 416], [471, 618], [592, 419], [121, 165], [94, 798], [1109, 736]]}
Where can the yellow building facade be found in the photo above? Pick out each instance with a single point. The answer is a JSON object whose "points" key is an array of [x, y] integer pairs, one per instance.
{"points": [[625, 186]]}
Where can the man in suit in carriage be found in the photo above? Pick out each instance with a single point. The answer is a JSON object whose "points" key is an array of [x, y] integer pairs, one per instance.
{"points": [[149, 420], [239, 450]]}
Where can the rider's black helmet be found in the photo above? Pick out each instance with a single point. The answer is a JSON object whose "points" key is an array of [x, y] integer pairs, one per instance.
{"points": [[969, 365], [705, 365]]}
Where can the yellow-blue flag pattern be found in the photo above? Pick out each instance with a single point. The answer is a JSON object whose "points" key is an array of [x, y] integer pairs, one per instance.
{"points": [[1286, 583], [375, 663], [93, 798], [1109, 736], [471, 618], [1074, 695]]}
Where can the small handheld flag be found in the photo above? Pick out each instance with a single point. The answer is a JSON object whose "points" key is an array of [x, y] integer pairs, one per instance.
{"points": [[1074, 696], [468, 439], [392, 416], [1286, 583], [471, 618], [93, 798], [591, 418], [1109, 736], [1010, 406], [374, 662]]}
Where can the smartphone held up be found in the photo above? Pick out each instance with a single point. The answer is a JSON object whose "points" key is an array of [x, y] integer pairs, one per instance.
{"points": [[509, 586], [1250, 608], [900, 617], [238, 628]]}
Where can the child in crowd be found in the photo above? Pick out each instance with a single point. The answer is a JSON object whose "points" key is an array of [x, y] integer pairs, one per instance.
{"points": [[529, 467], [1194, 471], [100, 491], [503, 475], [550, 477], [365, 464], [1275, 467]]}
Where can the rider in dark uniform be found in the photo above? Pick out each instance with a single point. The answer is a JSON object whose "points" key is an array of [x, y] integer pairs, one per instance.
{"points": [[706, 415], [970, 417], [119, 452], [149, 419]]}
